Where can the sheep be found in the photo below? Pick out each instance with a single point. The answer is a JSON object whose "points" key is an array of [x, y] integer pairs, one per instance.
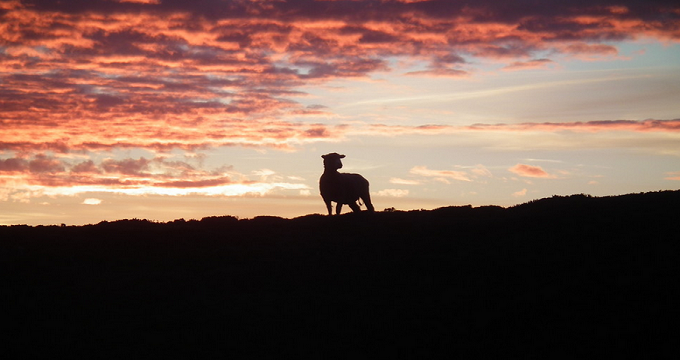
{"points": [[343, 188]]}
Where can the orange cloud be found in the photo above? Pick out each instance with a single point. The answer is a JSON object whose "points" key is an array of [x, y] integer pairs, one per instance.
{"points": [[673, 175]]}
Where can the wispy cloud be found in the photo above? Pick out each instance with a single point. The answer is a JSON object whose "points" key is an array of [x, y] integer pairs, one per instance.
{"points": [[637, 126], [530, 64], [440, 175], [400, 181], [465, 173], [467, 95]]}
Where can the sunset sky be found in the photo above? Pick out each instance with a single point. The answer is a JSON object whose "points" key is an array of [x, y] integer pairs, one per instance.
{"points": [[167, 109]]}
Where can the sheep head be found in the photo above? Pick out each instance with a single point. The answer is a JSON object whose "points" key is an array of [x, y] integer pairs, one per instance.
{"points": [[332, 161]]}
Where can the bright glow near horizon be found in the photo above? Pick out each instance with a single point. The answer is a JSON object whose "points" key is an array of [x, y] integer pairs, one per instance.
{"points": [[164, 110]]}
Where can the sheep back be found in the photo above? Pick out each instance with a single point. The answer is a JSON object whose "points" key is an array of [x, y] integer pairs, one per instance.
{"points": [[343, 188]]}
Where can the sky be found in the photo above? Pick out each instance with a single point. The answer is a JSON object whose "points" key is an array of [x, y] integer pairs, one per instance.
{"points": [[169, 109]]}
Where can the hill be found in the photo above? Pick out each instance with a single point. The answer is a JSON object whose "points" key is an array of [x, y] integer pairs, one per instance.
{"points": [[564, 277]]}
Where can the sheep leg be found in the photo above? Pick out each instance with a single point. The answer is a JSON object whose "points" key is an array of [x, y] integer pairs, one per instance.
{"points": [[353, 205], [338, 208], [329, 206], [367, 200]]}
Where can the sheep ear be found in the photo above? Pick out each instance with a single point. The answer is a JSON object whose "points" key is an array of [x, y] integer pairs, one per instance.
{"points": [[342, 156], [323, 156]]}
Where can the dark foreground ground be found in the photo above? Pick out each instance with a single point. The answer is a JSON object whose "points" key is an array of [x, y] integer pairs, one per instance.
{"points": [[564, 277]]}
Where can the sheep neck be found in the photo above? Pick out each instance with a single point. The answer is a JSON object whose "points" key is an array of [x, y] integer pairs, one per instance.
{"points": [[331, 172]]}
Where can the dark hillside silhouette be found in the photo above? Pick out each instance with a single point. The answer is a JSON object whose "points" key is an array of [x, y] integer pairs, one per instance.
{"points": [[561, 277]]}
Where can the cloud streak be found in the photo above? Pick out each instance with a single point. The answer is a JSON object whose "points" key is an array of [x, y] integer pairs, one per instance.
{"points": [[157, 176], [635, 126], [440, 175]]}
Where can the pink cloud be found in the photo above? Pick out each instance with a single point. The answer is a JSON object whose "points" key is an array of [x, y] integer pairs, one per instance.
{"points": [[155, 2], [530, 171], [440, 72], [85, 167], [45, 164], [126, 166], [531, 64], [590, 49], [441, 175], [13, 165]]}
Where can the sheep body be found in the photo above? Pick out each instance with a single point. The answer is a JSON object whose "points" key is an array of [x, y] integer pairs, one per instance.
{"points": [[342, 188]]}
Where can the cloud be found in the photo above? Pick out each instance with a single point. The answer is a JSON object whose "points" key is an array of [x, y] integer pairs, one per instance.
{"points": [[673, 175], [186, 75], [92, 201], [590, 52], [471, 174], [530, 171], [531, 64], [154, 2], [520, 193], [44, 164], [400, 181], [126, 166], [13, 164], [85, 167], [481, 170], [440, 175], [42, 175], [590, 126], [392, 193], [440, 72], [637, 126]]}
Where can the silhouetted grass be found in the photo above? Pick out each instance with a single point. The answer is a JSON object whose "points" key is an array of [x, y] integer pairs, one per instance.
{"points": [[558, 277]]}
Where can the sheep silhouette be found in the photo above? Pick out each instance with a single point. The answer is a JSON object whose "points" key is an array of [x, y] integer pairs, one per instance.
{"points": [[342, 188]]}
